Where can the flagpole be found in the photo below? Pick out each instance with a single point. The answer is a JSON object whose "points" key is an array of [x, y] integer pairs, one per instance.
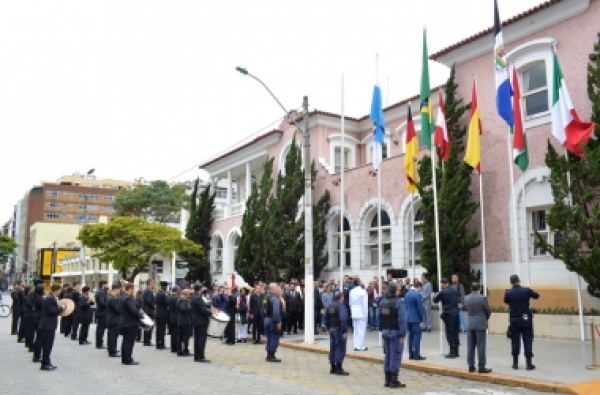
{"points": [[379, 244], [482, 206], [343, 165], [437, 238], [525, 227], [514, 208], [577, 277], [412, 209]]}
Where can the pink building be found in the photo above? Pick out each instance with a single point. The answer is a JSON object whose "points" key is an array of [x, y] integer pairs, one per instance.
{"points": [[529, 39]]}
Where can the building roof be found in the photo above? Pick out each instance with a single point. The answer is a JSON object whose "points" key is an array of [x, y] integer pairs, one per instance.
{"points": [[241, 146], [487, 31]]}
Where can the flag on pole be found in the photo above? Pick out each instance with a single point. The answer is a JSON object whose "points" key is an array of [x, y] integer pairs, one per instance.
{"points": [[427, 127], [473, 151], [503, 90], [410, 154], [441, 138], [520, 155], [566, 126], [378, 121]]}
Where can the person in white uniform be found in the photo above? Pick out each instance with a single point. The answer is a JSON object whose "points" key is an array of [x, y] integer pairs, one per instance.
{"points": [[360, 312]]}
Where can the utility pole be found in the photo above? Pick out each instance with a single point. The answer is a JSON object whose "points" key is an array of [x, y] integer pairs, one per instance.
{"points": [[309, 296], [82, 256]]}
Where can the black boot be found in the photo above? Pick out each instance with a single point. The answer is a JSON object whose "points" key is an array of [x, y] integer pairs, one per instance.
{"points": [[340, 371], [530, 366], [456, 352], [451, 353], [515, 364], [271, 358], [388, 378], [332, 370], [394, 383]]}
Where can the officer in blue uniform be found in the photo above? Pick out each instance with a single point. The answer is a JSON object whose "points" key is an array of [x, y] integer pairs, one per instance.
{"points": [[272, 314], [393, 324], [518, 300], [449, 298], [336, 321]]}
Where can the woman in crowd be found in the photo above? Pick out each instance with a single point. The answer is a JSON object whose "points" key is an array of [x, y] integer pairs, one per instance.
{"points": [[242, 316]]}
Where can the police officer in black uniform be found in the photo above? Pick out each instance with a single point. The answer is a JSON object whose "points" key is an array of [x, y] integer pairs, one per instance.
{"points": [[86, 315], [201, 313], [393, 325], [48, 324], [336, 322], [38, 304], [518, 300], [148, 305], [184, 322], [162, 315], [130, 322], [113, 310], [173, 315], [76, 320], [449, 298], [17, 300], [272, 319], [101, 313]]}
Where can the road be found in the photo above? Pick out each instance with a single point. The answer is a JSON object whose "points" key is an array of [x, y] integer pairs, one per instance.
{"points": [[234, 368]]}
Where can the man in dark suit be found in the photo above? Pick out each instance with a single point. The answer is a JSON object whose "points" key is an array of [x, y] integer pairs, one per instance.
{"points": [[48, 324], [162, 315], [17, 302], [317, 306], [518, 300], [479, 314], [86, 315], [101, 313], [293, 303], [76, 320], [449, 298], [173, 317], [201, 313], [148, 305], [184, 322], [38, 304], [130, 322], [255, 313], [113, 320]]}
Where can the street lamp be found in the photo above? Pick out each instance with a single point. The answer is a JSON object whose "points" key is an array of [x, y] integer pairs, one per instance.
{"points": [[309, 323]]}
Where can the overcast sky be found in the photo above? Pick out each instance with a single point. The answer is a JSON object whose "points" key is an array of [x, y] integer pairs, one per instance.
{"points": [[148, 88]]}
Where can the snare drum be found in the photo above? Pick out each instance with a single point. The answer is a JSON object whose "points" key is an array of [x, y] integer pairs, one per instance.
{"points": [[217, 324]]}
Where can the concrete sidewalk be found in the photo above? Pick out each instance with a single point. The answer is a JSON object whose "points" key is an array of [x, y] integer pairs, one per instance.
{"points": [[560, 364]]}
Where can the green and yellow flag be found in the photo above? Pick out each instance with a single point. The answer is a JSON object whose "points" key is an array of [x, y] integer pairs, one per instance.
{"points": [[427, 126]]}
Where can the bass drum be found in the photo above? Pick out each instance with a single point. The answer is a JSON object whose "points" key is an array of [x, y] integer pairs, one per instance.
{"points": [[217, 324], [146, 322]]}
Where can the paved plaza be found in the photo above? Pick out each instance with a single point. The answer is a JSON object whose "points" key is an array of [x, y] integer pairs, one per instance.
{"points": [[234, 368]]}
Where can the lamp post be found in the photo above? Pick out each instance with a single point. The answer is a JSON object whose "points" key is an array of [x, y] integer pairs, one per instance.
{"points": [[309, 319]]}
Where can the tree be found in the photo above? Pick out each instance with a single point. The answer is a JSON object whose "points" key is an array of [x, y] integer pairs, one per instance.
{"points": [[130, 242], [250, 260], [577, 225], [7, 246], [158, 201], [320, 210], [455, 205], [198, 231]]}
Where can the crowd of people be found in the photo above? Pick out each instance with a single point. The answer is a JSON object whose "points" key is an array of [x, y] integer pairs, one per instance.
{"points": [[400, 309]]}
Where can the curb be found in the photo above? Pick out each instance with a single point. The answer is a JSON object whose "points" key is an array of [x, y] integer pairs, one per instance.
{"points": [[560, 388]]}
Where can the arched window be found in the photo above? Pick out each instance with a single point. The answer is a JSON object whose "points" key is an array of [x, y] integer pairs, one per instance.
{"points": [[218, 257], [415, 239], [386, 240], [337, 239]]}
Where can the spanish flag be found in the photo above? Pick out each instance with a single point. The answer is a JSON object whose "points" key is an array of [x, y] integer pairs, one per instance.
{"points": [[410, 154], [473, 153]]}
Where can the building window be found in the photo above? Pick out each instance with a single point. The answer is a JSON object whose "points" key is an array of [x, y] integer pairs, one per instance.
{"points": [[53, 193], [89, 196], [91, 207], [416, 238], [109, 197], [219, 255], [53, 204], [338, 159], [53, 215], [386, 240], [535, 89], [109, 208], [538, 224], [337, 239]]}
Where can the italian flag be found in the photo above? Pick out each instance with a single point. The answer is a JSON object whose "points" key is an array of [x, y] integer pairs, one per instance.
{"points": [[566, 126], [520, 155]]}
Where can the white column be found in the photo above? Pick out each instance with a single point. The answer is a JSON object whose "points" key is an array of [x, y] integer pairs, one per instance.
{"points": [[248, 180], [229, 189]]}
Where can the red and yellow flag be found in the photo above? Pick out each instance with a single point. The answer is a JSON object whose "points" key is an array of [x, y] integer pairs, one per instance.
{"points": [[410, 154], [473, 152]]}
